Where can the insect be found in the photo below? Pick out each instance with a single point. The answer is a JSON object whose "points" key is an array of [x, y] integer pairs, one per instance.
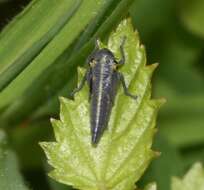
{"points": [[102, 77]]}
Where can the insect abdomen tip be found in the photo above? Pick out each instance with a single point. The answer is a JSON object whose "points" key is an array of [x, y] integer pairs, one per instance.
{"points": [[95, 139]]}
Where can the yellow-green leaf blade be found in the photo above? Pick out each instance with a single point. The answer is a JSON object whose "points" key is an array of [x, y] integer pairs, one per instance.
{"points": [[194, 179], [29, 32], [151, 186], [124, 150]]}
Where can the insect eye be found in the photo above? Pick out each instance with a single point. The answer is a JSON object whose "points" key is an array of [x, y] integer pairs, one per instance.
{"points": [[92, 63]]}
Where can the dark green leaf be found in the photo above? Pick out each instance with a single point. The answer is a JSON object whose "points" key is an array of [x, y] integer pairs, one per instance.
{"points": [[29, 32], [10, 177], [60, 42], [60, 73]]}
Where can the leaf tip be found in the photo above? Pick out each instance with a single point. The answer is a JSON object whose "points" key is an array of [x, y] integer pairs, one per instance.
{"points": [[64, 102], [161, 101], [151, 186], [52, 120], [43, 145], [154, 65], [80, 70], [156, 154], [62, 99], [158, 103]]}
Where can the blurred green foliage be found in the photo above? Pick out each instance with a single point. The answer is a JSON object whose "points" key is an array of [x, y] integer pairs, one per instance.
{"points": [[172, 32], [10, 177]]}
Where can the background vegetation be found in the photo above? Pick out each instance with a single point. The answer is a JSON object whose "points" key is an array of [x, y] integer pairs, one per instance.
{"points": [[38, 59]]}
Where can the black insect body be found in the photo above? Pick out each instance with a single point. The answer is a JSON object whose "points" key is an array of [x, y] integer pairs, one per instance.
{"points": [[102, 77]]}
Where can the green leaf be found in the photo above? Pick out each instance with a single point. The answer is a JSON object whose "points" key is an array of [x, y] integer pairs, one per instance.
{"points": [[63, 70], [151, 186], [29, 32], [10, 177], [47, 56], [124, 151], [194, 179]]}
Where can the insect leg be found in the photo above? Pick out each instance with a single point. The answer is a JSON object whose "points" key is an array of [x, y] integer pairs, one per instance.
{"points": [[84, 79], [96, 44], [89, 80], [127, 93], [122, 61]]}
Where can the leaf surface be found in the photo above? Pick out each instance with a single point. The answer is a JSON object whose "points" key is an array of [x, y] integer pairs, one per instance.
{"points": [[29, 32], [151, 186], [194, 179], [124, 151], [10, 177]]}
